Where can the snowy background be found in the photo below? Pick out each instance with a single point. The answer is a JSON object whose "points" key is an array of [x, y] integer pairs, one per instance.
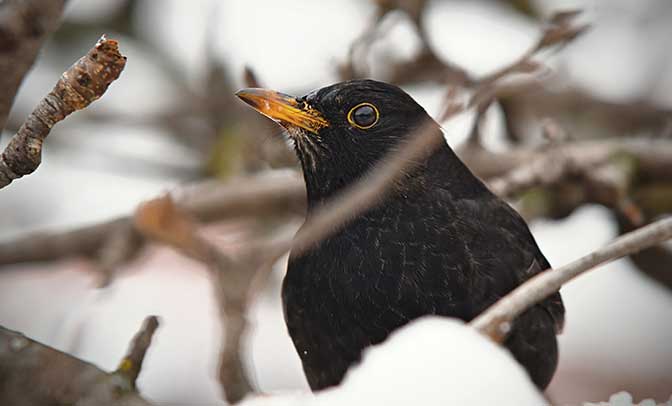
{"points": [[619, 327]]}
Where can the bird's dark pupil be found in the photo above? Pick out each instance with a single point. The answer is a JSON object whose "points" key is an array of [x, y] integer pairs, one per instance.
{"points": [[364, 116]]}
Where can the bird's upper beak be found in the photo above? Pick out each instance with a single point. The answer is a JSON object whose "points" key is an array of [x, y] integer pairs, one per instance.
{"points": [[284, 109]]}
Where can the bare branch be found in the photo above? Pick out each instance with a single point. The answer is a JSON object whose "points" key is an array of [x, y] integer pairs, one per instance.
{"points": [[280, 193], [132, 363], [496, 320], [24, 26], [424, 66], [355, 66], [547, 168], [654, 157], [233, 294], [474, 137], [161, 220], [250, 77], [284, 193], [654, 262], [560, 30], [534, 97], [84, 82], [120, 246], [562, 177], [35, 374]]}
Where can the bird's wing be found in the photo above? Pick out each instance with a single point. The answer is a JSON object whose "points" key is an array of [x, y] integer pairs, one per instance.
{"points": [[503, 248]]}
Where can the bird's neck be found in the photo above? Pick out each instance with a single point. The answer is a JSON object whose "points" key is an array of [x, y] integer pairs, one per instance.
{"points": [[444, 169], [440, 169]]}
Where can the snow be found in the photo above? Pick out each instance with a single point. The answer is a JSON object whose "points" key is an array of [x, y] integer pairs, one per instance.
{"points": [[625, 399], [432, 361]]}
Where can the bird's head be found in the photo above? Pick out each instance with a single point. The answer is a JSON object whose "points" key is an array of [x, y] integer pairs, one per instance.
{"points": [[341, 131]]}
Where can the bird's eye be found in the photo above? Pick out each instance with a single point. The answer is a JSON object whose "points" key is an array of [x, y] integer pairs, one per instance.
{"points": [[363, 116]]}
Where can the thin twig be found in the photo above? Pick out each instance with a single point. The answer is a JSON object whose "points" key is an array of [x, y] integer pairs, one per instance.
{"points": [[84, 82], [496, 320], [474, 137], [131, 364], [250, 77], [560, 30], [121, 246], [356, 66]]}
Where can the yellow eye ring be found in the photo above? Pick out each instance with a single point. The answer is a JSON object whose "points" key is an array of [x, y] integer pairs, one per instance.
{"points": [[351, 118]]}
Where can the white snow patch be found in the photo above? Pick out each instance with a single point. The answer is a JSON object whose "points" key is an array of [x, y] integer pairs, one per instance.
{"points": [[432, 361], [625, 399]]}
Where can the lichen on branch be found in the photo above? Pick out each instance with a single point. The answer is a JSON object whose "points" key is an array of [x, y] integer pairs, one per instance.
{"points": [[83, 83]]}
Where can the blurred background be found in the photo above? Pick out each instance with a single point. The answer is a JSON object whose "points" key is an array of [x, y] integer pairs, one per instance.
{"points": [[171, 119]]}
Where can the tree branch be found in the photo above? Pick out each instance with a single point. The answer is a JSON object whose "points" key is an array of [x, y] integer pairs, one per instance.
{"points": [[161, 220], [654, 262], [653, 156], [33, 374], [24, 26], [285, 193], [130, 365], [84, 82], [537, 99], [280, 193], [496, 320]]}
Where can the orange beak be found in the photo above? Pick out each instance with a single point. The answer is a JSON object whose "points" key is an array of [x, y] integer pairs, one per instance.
{"points": [[283, 109]]}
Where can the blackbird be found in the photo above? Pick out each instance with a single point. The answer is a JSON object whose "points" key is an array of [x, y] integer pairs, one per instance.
{"points": [[440, 243]]}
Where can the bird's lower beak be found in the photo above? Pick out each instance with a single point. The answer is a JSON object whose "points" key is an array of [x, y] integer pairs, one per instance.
{"points": [[283, 109]]}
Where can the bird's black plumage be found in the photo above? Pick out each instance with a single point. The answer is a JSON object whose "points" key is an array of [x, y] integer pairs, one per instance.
{"points": [[441, 243]]}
